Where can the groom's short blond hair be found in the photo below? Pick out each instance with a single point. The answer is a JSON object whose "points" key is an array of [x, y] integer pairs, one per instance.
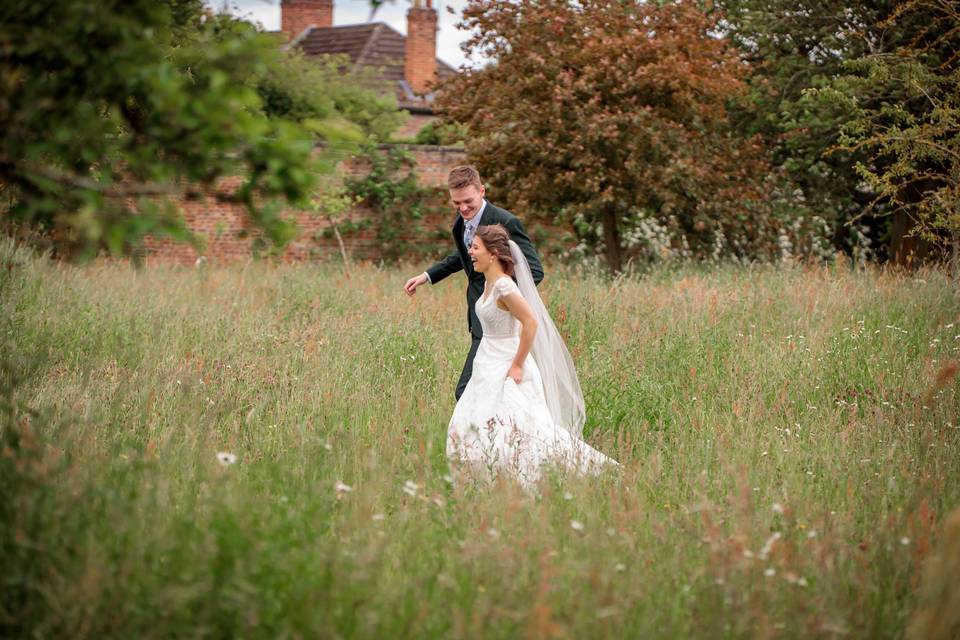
{"points": [[464, 176]]}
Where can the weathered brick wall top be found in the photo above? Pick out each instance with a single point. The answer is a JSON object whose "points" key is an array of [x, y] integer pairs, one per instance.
{"points": [[416, 122], [229, 235]]}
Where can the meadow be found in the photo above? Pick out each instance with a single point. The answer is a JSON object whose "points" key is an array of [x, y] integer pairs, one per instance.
{"points": [[257, 451]]}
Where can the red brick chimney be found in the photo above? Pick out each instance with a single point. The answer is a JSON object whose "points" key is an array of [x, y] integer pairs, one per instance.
{"points": [[297, 15], [421, 56]]}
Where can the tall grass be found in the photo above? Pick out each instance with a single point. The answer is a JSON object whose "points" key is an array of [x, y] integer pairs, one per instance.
{"points": [[789, 457]]}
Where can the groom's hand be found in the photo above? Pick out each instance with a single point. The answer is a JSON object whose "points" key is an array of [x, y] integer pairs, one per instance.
{"points": [[411, 287]]}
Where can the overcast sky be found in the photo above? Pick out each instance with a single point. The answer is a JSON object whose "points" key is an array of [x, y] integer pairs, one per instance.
{"points": [[267, 13]]}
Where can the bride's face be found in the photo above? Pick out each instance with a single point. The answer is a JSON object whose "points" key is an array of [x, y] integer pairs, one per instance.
{"points": [[480, 256]]}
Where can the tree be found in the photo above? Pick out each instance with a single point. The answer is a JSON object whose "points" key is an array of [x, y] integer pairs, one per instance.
{"points": [[904, 121], [316, 92], [113, 112], [801, 48], [606, 112]]}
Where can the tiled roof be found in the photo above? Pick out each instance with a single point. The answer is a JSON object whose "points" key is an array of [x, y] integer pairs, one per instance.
{"points": [[375, 45]]}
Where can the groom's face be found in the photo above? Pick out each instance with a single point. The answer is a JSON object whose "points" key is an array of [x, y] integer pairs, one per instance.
{"points": [[467, 200]]}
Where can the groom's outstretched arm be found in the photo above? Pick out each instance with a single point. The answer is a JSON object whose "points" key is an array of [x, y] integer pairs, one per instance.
{"points": [[436, 273], [518, 235], [445, 267]]}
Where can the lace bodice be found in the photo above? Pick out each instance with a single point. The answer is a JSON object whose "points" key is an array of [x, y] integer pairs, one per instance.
{"points": [[496, 322]]}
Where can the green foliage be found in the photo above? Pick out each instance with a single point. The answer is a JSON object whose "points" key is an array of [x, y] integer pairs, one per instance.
{"points": [[738, 413], [305, 89], [794, 46], [395, 203], [904, 118], [822, 71], [115, 112], [437, 132]]}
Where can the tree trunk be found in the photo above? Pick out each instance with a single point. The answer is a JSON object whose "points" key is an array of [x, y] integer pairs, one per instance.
{"points": [[906, 250], [611, 238], [343, 248]]}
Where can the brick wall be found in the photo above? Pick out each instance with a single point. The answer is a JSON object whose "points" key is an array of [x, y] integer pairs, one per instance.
{"points": [[229, 236]]}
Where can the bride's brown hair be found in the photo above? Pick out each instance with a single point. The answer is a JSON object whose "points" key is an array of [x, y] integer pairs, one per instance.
{"points": [[497, 241]]}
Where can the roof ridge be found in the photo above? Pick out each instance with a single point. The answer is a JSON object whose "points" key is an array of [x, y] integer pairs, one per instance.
{"points": [[384, 24], [366, 47], [357, 25], [354, 25], [300, 37]]}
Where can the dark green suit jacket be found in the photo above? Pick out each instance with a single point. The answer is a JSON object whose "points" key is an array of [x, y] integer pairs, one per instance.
{"points": [[461, 260]]}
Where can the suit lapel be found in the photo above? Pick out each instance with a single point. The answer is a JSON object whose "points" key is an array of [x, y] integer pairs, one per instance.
{"points": [[487, 216]]}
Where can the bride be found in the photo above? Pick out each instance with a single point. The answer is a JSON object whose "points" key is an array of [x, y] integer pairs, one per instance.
{"points": [[523, 407]]}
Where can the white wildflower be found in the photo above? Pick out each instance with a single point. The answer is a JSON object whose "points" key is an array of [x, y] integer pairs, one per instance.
{"points": [[377, 517], [904, 541], [342, 487], [778, 508], [226, 459], [410, 488], [568, 496], [770, 572], [576, 525], [768, 545]]}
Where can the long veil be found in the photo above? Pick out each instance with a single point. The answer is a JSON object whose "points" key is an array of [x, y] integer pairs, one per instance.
{"points": [[561, 388]]}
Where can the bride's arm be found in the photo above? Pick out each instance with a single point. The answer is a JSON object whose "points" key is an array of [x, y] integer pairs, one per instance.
{"points": [[517, 305]]}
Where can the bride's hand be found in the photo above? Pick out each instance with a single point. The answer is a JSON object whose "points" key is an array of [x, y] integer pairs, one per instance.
{"points": [[515, 373]]}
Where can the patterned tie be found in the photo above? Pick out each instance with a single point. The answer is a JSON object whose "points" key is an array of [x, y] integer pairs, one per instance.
{"points": [[467, 234]]}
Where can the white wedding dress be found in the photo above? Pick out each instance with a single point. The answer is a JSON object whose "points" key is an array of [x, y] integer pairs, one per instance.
{"points": [[501, 426]]}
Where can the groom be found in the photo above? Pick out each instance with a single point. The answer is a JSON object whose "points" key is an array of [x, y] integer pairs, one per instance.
{"points": [[466, 192]]}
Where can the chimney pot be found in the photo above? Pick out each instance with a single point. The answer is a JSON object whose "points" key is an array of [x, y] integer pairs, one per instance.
{"points": [[296, 16]]}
